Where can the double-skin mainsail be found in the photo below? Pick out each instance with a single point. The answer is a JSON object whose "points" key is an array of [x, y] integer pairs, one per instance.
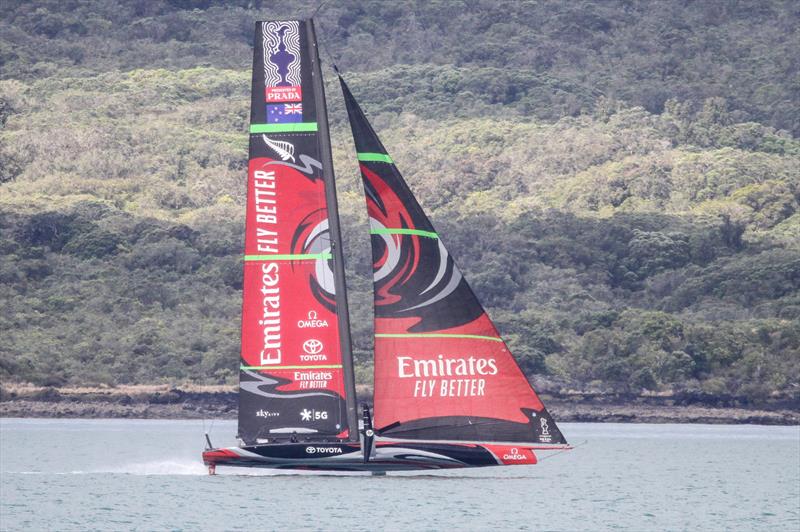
{"points": [[296, 376]]}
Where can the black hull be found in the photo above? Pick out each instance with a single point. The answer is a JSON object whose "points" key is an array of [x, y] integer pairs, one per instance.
{"points": [[386, 456]]}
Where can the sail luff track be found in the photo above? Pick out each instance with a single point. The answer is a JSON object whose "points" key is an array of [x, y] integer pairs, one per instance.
{"points": [[337, 248]]}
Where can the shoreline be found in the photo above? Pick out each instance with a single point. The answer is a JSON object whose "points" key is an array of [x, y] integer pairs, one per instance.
{"points": [[221, 402]]}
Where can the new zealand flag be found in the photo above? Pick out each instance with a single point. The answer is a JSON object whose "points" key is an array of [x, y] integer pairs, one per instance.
{"points": [[285, 113]]}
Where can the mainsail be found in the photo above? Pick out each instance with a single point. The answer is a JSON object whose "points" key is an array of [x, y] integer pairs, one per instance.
{"points": [[442, 371], [296, 377]]}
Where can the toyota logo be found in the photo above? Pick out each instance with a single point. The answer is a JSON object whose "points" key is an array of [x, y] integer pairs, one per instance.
{"points": [[312, 346], [310, 450]]}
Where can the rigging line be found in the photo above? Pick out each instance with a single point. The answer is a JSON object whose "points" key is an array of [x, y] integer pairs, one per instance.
{"points": [[324, 46], [320, 6], [330, 56], [542, 459]]}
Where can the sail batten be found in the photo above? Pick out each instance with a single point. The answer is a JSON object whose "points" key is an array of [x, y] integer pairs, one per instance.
{"points": [[296, 127], [290, 256], [438, 335], [442, 371], [375, 157], [402, 231]]}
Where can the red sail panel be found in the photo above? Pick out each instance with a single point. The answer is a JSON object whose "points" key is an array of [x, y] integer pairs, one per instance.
{"points": [[442, 372], [466, 370], [293, 375]]}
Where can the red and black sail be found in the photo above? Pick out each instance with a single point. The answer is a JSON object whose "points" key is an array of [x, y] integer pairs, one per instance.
{"points": [[296, 378], [442, 371]]}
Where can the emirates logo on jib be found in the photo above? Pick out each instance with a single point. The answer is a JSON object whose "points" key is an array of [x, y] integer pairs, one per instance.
{"points": [[312, 346]]}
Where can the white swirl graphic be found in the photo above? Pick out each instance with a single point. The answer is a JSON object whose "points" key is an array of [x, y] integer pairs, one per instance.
{"points": [[271, 43]]}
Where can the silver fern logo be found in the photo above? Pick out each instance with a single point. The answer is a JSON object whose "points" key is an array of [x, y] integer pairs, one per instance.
{"points": [[285, 150]]}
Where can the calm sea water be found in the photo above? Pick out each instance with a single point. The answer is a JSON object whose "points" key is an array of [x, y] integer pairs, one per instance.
{"points": [[146, 475]]}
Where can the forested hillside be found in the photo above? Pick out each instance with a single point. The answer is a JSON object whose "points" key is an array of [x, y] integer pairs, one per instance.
{"points": [[619, 181]]}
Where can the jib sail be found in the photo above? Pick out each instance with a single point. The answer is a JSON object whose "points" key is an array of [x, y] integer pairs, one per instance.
{"points": [[442, 372], [296, 378]]}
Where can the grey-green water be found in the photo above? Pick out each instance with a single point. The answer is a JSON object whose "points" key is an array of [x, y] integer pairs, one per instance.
{"points": [[146, 475]]}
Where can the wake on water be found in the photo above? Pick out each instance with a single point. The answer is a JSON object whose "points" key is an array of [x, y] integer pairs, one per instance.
{"points": [[189, 468], [163, 467], [178, 468]]}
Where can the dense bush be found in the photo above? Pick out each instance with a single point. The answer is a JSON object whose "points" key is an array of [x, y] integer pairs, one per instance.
{"points": [[618, 180]]}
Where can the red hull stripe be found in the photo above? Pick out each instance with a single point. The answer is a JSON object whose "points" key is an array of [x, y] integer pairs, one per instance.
{"points": [[218, 453]]}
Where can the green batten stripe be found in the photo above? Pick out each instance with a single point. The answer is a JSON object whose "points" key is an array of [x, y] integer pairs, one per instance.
{"points": [[390, 231], [375, 157], [296, 127], [314, 256], [440, 335], [332, 366]]}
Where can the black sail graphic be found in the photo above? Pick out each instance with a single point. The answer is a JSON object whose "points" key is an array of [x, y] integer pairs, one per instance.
{"points": [[296, 376], [442, 372]]}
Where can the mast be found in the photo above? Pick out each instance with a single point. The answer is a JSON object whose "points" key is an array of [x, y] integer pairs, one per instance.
{"points": [[337, 248]]}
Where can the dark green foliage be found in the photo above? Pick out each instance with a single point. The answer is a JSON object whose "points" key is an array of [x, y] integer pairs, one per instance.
{"points": [[618, 180], [550, 58], [651, 252]]}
